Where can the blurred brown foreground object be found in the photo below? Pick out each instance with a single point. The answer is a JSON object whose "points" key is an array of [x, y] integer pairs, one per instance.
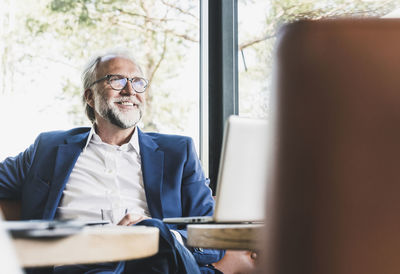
{"points": [[336, 197]]}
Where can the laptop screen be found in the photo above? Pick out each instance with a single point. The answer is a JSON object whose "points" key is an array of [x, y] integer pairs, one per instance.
{"points": [[243, 171]]}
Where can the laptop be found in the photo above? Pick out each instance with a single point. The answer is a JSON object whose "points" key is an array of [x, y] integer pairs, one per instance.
{"points": [[47, 228], [242, 176]]}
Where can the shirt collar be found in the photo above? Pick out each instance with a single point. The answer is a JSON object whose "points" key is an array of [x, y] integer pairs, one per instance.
{"points": [[133, 142]]}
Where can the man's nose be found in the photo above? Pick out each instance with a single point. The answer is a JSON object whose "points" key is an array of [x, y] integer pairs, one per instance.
{"points": [[128, 89]]}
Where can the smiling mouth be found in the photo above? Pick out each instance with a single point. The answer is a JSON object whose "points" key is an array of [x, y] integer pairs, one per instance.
{"points": [[130, 104]]}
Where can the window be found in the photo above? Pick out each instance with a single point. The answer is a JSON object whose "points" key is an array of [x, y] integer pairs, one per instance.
{"points": [[254, 55], [241, 42], [258, 22], [46, 44]]}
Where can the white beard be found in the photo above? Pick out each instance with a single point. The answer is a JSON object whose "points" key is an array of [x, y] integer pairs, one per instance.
{"points": [[110, 112]]}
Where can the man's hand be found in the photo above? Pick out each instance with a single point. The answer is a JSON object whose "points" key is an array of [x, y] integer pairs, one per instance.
{"points": [[131, 219]]}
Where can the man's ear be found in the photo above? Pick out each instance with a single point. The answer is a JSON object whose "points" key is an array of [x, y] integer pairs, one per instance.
{"points": [[89, 96]]}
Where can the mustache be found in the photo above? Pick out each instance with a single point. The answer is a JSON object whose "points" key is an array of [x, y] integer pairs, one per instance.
{"points": [[131, 99]]}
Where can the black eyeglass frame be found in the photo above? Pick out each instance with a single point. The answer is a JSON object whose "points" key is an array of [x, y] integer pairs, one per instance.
{"points": [[108, 77]]}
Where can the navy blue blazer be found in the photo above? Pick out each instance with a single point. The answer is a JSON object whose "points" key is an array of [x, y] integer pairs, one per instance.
{"points": [[174, 182]]}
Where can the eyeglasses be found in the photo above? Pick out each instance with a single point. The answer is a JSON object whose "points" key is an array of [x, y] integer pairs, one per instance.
{"points": [[118, 82]]}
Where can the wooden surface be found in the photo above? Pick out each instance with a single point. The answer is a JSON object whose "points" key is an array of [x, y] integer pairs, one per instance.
{"points": [[224, 236], [93, 244]]}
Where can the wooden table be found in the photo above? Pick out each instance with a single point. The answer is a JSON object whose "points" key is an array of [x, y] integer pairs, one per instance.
{"points": [[225, 236], [92, 245]]}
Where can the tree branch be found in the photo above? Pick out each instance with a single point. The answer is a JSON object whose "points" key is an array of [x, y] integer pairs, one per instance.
{"points": [[153, 19], [158, 30], [253, 42], [179, 9], [162, 57]]}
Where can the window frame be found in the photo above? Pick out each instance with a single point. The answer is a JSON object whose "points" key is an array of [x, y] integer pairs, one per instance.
{"points": [[218, 78]]}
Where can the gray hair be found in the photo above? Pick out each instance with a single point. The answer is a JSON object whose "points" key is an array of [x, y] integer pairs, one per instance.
{"points": [[89, 75]]}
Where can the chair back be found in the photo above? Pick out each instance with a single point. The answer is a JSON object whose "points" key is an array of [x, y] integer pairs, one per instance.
{"points": [[334, 206], [11, 209]]}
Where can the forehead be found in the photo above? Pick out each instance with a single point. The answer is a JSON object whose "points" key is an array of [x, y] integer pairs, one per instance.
{"points": [[117, 65]]}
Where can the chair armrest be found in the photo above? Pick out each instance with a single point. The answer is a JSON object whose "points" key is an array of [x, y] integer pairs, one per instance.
{"points": [[11, 209]]}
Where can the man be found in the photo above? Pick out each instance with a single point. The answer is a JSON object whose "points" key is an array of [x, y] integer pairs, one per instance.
{"points": [[84, 172]]}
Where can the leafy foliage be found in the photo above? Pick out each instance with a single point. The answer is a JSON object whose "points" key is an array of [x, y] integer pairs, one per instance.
{"points": [[161, 34], [257, 47]]}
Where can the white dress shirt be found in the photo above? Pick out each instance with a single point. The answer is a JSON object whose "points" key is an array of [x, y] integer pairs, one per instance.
{"points": [[105, 177]]}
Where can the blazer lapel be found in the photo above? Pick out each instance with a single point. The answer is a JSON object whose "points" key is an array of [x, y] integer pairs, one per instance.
{"points": [[152, 167], [67, 155]]}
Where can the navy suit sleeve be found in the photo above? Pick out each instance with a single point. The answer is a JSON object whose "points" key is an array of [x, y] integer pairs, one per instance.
{"points": [[196, 195], [13, 173], [197, 200]]}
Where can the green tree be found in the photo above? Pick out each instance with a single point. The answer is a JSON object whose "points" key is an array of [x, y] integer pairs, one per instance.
{"points": [[65, 33], [159, 34], [255, 79]]}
